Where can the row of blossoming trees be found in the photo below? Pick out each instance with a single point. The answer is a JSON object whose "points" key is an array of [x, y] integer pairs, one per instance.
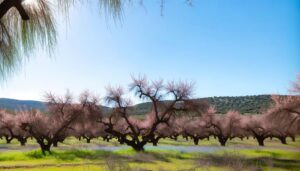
{"points": [[179, 115]]}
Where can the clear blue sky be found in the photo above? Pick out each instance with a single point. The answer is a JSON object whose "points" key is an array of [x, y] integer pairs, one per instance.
{"points": [[228, 48]]}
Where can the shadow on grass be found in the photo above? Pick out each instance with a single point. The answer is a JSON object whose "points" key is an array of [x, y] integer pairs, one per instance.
{"points": [[153, 155], [239, 162], [71, 155], [287, 164], [101, 155]]}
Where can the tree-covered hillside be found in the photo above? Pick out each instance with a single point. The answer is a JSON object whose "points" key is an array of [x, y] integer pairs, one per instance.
{"points": [[243, 104]]}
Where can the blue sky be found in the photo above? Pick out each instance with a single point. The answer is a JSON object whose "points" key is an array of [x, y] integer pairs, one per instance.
{"points": [[228, 48]]}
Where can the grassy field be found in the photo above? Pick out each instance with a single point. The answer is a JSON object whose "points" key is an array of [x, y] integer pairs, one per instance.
{"points": [[77, 155]]}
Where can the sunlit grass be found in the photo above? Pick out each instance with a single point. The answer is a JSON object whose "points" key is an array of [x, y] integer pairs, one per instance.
{"points": [[76, 155], [152, 159]]}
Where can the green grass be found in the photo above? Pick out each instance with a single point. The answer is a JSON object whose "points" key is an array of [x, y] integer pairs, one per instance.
{"points": [[152, 159], [72, 155]]}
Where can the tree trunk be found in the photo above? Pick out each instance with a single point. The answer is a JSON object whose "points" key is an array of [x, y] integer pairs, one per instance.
{"points": [[88, 140], [121, 141], [55, 143], [135, 143], [155, 141], [8, 139], [138, 147], [293, 138], [6, 5], [45, 147], [222, 140], [22, 141], [196, 140], [260, 140], [106, 138], [282, 140]]}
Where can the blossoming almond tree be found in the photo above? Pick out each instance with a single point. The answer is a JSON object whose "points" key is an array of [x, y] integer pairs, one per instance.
{"points": [[50, 128], [136, 132]]}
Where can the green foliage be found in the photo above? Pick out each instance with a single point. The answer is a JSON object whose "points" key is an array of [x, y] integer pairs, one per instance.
{"points": [[243, 104]]}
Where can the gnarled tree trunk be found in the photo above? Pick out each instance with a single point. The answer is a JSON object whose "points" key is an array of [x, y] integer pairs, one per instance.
{"points": [[196, 140], [260, 140], [8, 139], [222, 140], [45, 145], [282, 140], [6, 5], [55, 143], [155, 140], [22, 140]]}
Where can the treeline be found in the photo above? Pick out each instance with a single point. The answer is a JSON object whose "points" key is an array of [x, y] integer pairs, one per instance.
{"points": [[179, 116], [243, 104]]}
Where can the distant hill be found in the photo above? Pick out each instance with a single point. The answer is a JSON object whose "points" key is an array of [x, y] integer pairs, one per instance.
{"points": [[13, 104], [243, 104]]}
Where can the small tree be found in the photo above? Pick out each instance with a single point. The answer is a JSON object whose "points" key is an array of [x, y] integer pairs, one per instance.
{"points": [[7, 124], [284, 117], [196, 128], [259, 127], [19, 133], [224, 125], [241, 130], [290, 104], [48, 129], [85, 125], [171, 130]]}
